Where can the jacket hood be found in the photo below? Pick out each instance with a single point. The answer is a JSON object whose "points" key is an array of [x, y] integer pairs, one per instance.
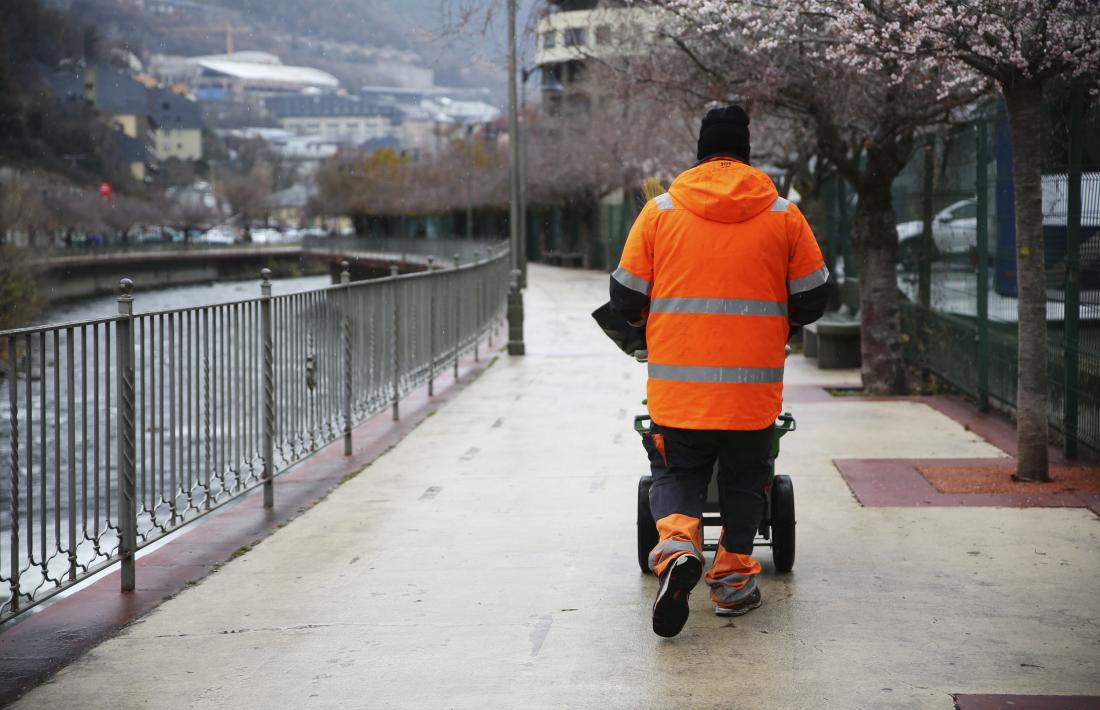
{"points": [[724, 190]]}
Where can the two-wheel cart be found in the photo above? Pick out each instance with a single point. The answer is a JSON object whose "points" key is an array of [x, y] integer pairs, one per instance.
{"points": [[776, 529]]}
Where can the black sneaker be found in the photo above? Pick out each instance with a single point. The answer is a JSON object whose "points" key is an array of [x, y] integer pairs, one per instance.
{"points": [[670, 610], [742, 607]]}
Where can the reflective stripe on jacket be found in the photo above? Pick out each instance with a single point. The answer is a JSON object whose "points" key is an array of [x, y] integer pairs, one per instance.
{"points": [[716, 259]]}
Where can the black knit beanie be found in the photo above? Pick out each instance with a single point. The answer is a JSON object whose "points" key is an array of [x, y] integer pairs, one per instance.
{"points": [[725, 131]]}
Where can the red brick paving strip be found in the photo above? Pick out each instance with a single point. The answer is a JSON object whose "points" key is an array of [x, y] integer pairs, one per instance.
{"points": [[40, 644], [998, 479], [1027, 702], [899, 483]]}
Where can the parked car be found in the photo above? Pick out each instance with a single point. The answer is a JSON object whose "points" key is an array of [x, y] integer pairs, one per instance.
{"points": [[955, 228], [266, 235], [221, 234], [954, 232], [314, 232]]}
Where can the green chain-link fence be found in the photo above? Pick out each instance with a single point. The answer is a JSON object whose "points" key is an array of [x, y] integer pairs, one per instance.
{"points": [[957, 266]]}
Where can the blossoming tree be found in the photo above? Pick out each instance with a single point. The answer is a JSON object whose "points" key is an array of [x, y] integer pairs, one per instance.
{"points": [[1018, 45], [793, 60]]}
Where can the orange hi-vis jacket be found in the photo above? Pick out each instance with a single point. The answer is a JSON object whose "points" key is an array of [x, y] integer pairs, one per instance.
{"points": [[718, 256]]}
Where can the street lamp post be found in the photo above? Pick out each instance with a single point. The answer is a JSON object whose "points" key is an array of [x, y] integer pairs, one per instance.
{"points": [[525, 74], [515, 297]]}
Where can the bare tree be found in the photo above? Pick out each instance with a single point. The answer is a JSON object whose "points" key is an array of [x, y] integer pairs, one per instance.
{"points": [[249, 193]]}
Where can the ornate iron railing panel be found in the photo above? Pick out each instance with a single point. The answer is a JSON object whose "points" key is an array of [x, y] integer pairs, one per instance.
{"points": [[120, 430]]}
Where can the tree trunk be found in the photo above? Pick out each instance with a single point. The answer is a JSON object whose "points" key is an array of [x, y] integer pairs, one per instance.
{"points": [[1023, 98], [875, 243]]}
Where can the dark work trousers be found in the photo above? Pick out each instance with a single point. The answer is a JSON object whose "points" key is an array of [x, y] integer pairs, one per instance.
{"points": [[682, 471]]}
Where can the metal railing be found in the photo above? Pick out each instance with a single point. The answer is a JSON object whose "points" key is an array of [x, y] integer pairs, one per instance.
{"points": [[122, 429], [440, 249], [467, 250]]}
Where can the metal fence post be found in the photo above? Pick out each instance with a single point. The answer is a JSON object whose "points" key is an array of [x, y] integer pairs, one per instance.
{"points": [[924, 261], [396, 346], [431, 327], [269, 390], [127, 442], [477, 309], [1072, 301], [458, 312], [515, 316], [982, 204], [345, 280], [13, 397]]}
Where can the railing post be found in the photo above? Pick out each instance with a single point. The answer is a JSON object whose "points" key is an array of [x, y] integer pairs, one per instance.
{"points": [[982, 205], [490, 311], [431, 327], [396, 346], [458, 312], [13, 400], [477, 308], [208, 432], [127, 442], [345, 280], [515, 316], [1072, 300], [269, 389]]}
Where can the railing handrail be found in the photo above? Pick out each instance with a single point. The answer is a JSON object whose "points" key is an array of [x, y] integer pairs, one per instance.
{"points": [[307, 242]]}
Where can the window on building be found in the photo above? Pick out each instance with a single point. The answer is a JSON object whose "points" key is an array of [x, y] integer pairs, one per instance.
{"points": [[549, 39], [575, 37], [603, 34]]}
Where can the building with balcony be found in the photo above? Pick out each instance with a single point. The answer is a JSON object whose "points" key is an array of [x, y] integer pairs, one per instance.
{"points": [[574, 32]]}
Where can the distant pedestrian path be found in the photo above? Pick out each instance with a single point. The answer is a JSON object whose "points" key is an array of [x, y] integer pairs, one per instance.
{"points": [[488, 561]]}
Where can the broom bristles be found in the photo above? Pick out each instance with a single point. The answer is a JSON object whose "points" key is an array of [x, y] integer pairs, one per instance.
{"points": [[652, 187]]}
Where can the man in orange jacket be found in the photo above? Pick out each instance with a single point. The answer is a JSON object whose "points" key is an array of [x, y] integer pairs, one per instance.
{"points": [[717, 269]]}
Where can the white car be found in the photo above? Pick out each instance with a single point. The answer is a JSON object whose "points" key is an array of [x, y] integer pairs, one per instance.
{"points": [[265, 235], [221, 234], [954, 230]]}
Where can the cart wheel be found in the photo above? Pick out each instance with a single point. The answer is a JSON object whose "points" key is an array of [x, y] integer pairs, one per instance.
{"points": [[782, 523], [647, 527]]}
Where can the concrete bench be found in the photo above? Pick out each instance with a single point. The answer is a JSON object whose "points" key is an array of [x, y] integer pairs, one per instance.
{"points": [[834, 339]]}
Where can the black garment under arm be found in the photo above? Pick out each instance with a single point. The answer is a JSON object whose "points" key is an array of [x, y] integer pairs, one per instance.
{"points": [[806, 307], [627, 302]]}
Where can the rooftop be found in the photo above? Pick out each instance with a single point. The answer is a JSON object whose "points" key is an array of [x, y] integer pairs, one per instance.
{"points": [[275, 74], [170, 110], [125, 149], [118, 94]]}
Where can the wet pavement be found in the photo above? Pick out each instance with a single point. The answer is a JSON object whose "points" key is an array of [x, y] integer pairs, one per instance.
{"points": [[488, 560]]}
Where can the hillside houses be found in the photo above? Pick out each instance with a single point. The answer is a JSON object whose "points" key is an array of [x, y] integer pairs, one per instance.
{"points": [[149, 124]]}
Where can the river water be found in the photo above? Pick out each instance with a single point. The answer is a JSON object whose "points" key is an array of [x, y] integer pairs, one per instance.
{"points": [[79, 485], [180, 297]]}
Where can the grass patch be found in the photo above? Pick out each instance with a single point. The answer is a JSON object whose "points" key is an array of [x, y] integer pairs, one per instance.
{"points": [[240, 551], [846, 391]]}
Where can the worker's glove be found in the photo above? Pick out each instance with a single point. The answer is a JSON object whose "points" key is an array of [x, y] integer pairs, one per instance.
{"points": [[627, 337]]}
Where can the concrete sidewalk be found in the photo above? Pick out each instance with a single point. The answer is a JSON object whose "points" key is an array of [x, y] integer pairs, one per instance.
{"points": [[488, 561]]}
